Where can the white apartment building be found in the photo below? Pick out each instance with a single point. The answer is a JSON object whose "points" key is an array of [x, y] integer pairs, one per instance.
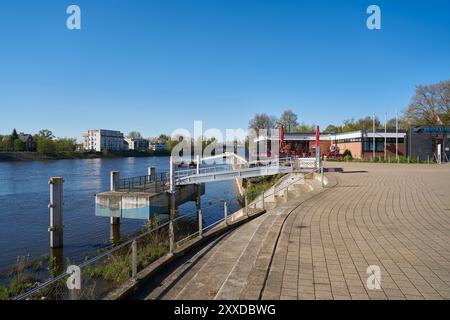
{"points": [[100, 139], [139, 144]]}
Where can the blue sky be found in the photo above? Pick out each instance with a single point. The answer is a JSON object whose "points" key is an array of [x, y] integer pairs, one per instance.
{"points": [[154, 66]]}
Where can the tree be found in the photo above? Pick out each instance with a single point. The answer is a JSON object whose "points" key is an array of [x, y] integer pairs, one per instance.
{"points": [[305, 128], [262, 121], [288, 120], [5, 144], [134, 135], [46, 134], [44, 141], [18, 145], [430, 105], [333, 129], [14, 135]]}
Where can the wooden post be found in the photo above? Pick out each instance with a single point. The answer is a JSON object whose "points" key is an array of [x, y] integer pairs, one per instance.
{"points": [[56, 212]]}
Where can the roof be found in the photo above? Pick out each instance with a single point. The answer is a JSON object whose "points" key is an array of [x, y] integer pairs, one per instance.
{"points": [[297, 136]]}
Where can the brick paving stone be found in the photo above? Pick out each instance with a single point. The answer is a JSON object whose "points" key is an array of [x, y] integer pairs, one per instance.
{"points": [[394, 216]]}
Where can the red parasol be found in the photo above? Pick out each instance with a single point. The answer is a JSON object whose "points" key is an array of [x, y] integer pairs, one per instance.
{"points": [[281, 137], [317, 136]]}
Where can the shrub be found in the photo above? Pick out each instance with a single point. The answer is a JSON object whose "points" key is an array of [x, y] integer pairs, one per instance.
{"points": [[347, 155]]}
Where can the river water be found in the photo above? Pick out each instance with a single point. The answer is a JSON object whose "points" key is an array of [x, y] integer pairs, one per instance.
{"points": [[24, 198]]}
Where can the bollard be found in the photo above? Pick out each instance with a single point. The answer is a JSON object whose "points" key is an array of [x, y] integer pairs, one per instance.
{"points": [[56, 212], [428, 159], [200, 223], [286, 191], [225, 212], [134, 259], [321, 176]]}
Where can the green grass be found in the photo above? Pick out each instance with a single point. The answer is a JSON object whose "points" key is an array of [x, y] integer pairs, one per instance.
{"points": [[257, 186]]}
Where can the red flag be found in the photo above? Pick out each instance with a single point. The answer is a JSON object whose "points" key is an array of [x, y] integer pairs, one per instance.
{"points": [[317, 136]]}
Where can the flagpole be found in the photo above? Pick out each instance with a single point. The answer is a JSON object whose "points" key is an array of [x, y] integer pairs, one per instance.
{"points": [[385, 135], [374, 137], [396, 134]]}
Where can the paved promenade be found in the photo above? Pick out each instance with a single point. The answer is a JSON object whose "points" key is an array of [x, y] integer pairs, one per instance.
{"points": [[319, 244]]}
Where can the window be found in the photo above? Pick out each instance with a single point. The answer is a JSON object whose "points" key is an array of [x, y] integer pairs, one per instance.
{"points": [[368, 145]]}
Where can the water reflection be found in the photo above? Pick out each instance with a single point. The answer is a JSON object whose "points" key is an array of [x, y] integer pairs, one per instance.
{"points": [[24, 198]]}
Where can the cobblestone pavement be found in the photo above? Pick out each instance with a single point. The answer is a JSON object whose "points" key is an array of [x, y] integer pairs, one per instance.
{"points": [[320, 244]]}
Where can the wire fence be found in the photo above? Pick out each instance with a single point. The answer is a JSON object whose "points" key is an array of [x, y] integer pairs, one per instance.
{"points": [[112, 267]]}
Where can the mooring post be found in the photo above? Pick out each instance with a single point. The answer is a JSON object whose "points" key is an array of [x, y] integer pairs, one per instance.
{"points": [[225, 212], [134, 259], [114, 180], [200, 223], [56, 212], [152, 173], [114, 186]]}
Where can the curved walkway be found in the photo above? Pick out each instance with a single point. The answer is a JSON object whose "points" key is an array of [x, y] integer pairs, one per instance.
{"points": [[320, 243]]}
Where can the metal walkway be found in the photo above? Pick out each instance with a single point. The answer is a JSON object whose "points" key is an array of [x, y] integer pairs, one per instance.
{"points": [[234, 167], [241, 169]]}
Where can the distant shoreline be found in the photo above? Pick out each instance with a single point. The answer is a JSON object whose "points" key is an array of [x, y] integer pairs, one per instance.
{"points": [[34, 156]]}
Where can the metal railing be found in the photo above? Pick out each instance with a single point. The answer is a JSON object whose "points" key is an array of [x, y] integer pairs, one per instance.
{"points": [[115, 265], [147, 183], [223, 168]]}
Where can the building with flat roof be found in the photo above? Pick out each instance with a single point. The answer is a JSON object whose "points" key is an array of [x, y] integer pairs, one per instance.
{"points": [[359, 143], [137, 144], [101, 139], [429, 142]]}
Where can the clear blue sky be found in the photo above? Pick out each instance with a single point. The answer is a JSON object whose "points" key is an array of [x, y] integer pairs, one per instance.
{"points": [[154, 66]]}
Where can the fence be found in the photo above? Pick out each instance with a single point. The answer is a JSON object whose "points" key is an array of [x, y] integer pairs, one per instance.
{"points": [[110, 268], [147, 183]]}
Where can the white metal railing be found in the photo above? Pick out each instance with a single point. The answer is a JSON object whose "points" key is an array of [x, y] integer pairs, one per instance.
{"points": [[307, 163], [181, 175]]}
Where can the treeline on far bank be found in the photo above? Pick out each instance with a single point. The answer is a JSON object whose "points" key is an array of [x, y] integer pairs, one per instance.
{"points": [[45, 146]]}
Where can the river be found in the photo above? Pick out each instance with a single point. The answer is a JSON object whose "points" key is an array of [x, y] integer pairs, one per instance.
{"points": [[24, 198]]}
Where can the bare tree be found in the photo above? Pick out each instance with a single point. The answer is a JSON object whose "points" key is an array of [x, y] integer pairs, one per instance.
{"points": [[289, 120], [430, 105], [263, 121], [134, 135]]}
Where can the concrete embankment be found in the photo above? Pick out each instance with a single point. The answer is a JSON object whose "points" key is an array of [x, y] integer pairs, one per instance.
{"points": [[234, 264]]}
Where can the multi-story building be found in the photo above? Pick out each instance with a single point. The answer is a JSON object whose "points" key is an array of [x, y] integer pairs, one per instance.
{"points": [[138, 144], [100, 139], [158, 147]]}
